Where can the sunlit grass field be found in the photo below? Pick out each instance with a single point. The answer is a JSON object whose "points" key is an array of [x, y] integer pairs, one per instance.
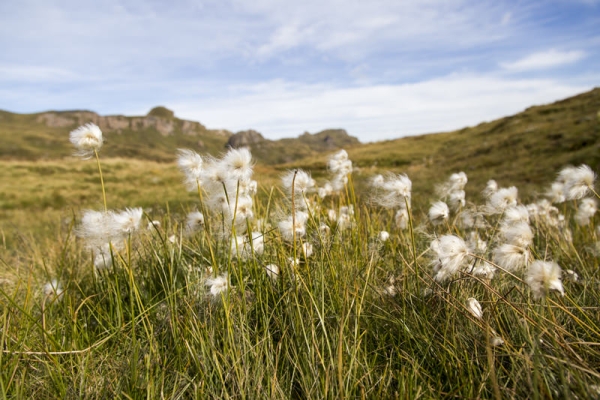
{"points": [[347, 312]]}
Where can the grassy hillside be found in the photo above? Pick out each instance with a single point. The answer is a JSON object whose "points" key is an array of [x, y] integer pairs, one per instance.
{"points": [[154, 137], [526, 149], [45, 135]]}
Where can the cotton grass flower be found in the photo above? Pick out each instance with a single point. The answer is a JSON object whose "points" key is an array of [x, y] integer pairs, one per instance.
{"points": [[515, 214], [298, 180], [571, 275], [377, 181], [395, 192], [272, 271], [490, 188], [586, 210], [238, 164], [300, 184], [401, 219], [456, 183], [194, 222], [127, 221], [383, 236], [53, 290], [474, 307], [439, 213], [450, 255], [325, 190], [483, 270], [290, 225], [217, 285], [103, 257], [518, 234], [542, 277], [244, 247], [557, 192], [510, 257], [95, 228], [456, 199], [502, 199], [87, 139], [578, 182], [339, 164], [153, 225], [191, 164]]}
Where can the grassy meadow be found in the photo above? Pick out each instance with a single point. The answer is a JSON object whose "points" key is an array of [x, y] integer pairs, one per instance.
{"points": [[367, 288]]}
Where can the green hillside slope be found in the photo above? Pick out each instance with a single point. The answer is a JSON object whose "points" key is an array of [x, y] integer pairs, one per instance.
{"points": [[526, 149], [154, 137]]}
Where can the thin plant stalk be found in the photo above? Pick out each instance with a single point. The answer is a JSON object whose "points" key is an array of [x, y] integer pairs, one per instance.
{"points": [[101, 180]]}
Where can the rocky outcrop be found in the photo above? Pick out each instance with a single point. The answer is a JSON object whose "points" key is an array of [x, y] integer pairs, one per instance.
{"points": [[162, 112], [160, 118], [244, 139]]}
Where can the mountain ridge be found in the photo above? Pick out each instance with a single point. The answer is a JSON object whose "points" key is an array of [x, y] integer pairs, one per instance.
{"points": [[155, 136]]}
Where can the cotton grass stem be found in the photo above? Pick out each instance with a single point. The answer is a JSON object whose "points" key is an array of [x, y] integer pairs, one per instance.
{"points": [[101, 180], [412, 238]]}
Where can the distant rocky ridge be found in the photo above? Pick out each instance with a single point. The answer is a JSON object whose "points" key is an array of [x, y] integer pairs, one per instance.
{"points": [[155, 136], [245, 139], [159, 118]]}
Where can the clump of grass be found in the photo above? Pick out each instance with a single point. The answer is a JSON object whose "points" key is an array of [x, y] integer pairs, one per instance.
{"points": [[309, 292]]}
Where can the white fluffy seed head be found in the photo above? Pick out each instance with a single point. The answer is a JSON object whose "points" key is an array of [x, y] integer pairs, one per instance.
{"points": [[578, 182], [272, 271], [288, 226], [543, 277], [450, 255], [377, 181], [586, 210], [439, 213], [518, 234], [238, 164], [516, 214], [383, 236], [86, 139], [401, 218], [103, 257], [307, 249], [501, 199], [490, 188], [456, 199], [395, 192], [302, 182], [53, 290], [457, 181], [127, 221], [218, 284], [191, 164], [510, 257], [474, 307], [194, 221], [557, 192], [244, 248]]}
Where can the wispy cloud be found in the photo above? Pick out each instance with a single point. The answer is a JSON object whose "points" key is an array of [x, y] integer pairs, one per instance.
{"points": [[279, 108], [545, 60], [381, 69]]}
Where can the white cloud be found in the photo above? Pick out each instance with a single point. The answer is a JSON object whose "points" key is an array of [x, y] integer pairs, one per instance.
{"points": [[545, 60], [284, 109], [35, 74]]}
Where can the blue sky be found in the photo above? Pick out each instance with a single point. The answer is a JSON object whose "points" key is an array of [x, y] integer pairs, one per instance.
{"points": [[380, 69]]}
